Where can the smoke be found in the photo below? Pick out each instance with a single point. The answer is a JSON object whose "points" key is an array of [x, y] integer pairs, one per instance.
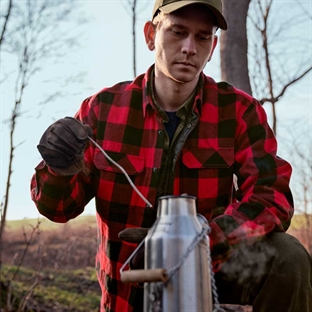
{"points": [[249, 262]]}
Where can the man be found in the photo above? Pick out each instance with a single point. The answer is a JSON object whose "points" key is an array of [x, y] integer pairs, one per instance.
{"points": [[174, 131]]}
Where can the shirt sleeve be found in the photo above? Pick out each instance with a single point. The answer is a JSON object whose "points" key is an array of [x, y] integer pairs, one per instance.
{"points": [[61, 198], [263, 202]]}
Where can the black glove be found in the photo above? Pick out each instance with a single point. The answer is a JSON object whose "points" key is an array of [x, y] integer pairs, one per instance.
{"points": [[135, 235], [62, 145]]}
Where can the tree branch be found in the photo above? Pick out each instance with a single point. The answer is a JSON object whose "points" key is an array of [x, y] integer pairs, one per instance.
{"points": [[6, 19], [276, 98]]}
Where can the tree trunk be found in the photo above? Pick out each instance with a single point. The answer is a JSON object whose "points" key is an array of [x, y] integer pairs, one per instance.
{"points": [[234, 45]]}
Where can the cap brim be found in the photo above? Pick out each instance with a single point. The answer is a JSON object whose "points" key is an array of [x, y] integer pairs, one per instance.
{"points": [[171, 7]]}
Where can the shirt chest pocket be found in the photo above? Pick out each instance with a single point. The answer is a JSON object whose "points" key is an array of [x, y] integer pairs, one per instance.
{"points": [[201, 158], [133, 165]]}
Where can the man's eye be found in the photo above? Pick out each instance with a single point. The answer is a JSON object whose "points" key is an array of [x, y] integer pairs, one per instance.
{"points": [[177, 32], [204, 38]]}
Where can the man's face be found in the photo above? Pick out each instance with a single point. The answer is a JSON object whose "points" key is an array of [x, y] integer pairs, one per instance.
{"points": [[184, 42]]}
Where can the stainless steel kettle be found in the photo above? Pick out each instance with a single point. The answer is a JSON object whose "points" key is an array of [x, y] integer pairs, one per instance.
{"points": [[177, 273]]}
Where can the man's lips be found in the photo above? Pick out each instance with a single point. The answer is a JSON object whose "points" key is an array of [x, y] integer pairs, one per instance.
{"points": [[186, 64]]}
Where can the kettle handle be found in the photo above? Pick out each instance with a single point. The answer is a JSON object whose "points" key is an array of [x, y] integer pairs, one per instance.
{"points": [[140, 276], [144, 276]]}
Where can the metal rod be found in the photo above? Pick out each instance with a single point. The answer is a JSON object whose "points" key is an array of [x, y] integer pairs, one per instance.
{"points": [[123, 171]]}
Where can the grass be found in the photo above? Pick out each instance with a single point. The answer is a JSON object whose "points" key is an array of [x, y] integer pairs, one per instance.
{"points": [[67, 282], [299, 221], [70, 290], [60, 259]]}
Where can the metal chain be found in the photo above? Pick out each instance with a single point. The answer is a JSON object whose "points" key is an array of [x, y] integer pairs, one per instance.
{"points": [[217, 307], [155, 298], [195, 242]]}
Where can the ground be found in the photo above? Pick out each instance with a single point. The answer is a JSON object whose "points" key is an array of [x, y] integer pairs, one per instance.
{"points": [[50, 267]]}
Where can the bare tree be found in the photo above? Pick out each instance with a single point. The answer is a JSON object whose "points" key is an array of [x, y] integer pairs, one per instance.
{"points": [[279, 59], [299, 148], [132, 9], [35, 34], [6, 18], [234, 45], [33, 37], [277, 53]]}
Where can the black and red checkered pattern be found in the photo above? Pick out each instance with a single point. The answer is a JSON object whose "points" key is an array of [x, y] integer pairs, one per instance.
{"points": [[226, 134]]}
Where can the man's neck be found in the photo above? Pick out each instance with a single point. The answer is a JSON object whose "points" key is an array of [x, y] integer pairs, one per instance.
{"points": [[170, 95]]}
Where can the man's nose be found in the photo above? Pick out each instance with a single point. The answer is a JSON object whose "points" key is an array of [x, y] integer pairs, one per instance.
{"points": [[189, 45]]}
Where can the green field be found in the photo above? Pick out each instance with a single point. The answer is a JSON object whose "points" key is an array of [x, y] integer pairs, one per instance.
{"points": [[48, 290], [51, 265]]}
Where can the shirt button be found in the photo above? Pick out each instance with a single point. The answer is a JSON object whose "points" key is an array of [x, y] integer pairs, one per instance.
{"points": [[189, 125], [154, 169], [159, 132]]}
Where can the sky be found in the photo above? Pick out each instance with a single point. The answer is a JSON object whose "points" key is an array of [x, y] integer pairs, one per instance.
{"points": [[103, 59]]}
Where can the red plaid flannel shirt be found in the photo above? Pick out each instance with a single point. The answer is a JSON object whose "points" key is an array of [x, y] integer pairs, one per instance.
{"points": [[227, 134]]}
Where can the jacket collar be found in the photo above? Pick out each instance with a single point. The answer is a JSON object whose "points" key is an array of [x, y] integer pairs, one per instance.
{"points": [[147, 92]]}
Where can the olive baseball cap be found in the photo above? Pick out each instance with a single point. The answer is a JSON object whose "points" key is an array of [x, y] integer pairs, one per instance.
{"points": [[168, 6]]}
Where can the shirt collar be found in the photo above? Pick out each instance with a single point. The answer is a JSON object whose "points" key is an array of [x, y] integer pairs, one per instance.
{"points": [[147, 85], [147, 89]]}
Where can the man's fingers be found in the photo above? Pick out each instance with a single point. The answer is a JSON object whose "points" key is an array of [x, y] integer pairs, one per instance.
{"points": [[133, 235]]}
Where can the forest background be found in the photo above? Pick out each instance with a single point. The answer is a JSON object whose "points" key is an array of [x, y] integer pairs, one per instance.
{"points": [[56, 53]]}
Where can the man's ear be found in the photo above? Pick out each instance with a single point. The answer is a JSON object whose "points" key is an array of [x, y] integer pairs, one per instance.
{"points": [[214, 44], [149, 34]]}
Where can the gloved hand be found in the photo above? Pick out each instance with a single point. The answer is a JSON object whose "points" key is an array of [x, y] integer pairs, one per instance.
{"points": [[62, 145], [135, 235]]}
